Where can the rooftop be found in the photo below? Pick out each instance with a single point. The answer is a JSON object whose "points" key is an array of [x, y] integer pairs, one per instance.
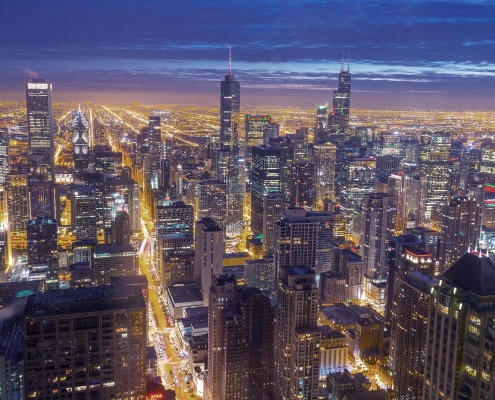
{"points": [[184, 294], [473, 273]]}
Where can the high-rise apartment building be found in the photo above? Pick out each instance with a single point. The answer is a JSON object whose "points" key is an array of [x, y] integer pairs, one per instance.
{"points": [[85, 344], [40, 129], [80, 142], [208, 252], [295, 240], [265, 178], [434, 165], [297, 337], [4, 155], [211, 200], [274, 204], [260, 274], [409, 330], [17, 201], [459, 345], [240, 342], [461, 225], [377, 228]]}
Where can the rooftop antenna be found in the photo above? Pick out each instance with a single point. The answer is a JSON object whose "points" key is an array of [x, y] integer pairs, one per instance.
{"points": [[230, 60], [348, 62], [342, 67], [79, 107]]}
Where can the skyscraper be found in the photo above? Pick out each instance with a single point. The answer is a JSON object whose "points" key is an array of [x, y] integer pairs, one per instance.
{"points": [[208, 252], [80, 142], [255, 132], [4, 155], [377, 228], [104, 329], [230, 105], [122, 229], [434, 165], [84, 213], [274, 204], [17, 201], [265, 179], [44, 200], [114, 261], [461, 224], [408, 334], [42, 242], [297, 337], [155, 142], [212, 201], [459, 348], [40, 128], [324, 168], [342, 98], [295, 240], [302, 188], [240, 324]]}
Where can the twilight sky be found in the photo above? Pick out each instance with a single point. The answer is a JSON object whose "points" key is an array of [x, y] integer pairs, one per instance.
{"points": [[425, 54]]}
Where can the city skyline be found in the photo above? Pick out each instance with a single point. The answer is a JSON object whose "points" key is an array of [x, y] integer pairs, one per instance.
{"points": [[420, 54]]}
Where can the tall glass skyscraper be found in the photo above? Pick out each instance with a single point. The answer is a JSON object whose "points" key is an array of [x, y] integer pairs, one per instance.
{"points": [[4, 155], [80, 141], [40, 127], [342, 98]]}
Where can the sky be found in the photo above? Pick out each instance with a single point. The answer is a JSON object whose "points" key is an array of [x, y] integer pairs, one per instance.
{"points": [[423, 54]]}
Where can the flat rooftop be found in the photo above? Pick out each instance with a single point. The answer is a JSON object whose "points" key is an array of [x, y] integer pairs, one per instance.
{"points": [[183, 294]]}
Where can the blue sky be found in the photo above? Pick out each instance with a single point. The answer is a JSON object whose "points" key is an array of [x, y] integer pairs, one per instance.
{"points": [[427, 54]]}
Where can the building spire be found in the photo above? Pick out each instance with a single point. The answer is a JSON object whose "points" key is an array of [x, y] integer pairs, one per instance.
{"points": [[79, 107], [230, 60], [349, 62], [342, 67]]}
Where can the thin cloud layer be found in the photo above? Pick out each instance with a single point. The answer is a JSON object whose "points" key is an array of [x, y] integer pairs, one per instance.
{"points": [[414, 48]]}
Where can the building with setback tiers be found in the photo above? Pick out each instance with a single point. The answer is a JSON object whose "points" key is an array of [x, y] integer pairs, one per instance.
{"points": [[297, 337]]}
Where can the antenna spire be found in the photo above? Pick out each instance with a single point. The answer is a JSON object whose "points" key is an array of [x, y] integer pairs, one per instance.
{"points": [[342, 67], [230, 60], [348, 62], [79, 107]]}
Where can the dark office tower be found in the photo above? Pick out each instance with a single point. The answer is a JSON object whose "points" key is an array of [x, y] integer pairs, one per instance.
{"points": [[297, 338], [321, 132], [122, 229], [461, 224], [255, 132], [84, 207], [91, 344], [324, 165], [377, 228], [42, 242], [80, 142], [330, 229], [17, 201], [434, 165], [286, 148], [408, 335], [295, 240], [107, 161], [460, 336], [44, 200], [240, 342], [274, 204], [303, 190], [41, 130], [114, 261], [209, 251], [230, 105], [4, 155], [342, 98], [155, 136], [265, 178]]}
